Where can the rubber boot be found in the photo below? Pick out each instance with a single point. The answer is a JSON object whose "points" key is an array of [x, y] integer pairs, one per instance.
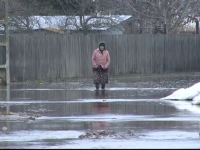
{"points": [[97, 86], [103, 86]]}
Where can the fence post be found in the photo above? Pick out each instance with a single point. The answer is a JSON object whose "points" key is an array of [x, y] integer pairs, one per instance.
{"points": [[6, 67]]}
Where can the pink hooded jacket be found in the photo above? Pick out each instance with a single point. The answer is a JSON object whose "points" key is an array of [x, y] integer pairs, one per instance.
{"points": [[99, 59]]}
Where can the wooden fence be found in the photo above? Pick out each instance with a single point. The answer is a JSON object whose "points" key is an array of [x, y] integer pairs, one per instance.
{"points": [[46, 57]]}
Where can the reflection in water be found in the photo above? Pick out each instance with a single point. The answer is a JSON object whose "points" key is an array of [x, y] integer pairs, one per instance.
{"points": [[100, 108], [100, 94], [65, 95], [8, 107], [69, 111], [5, 110], [8, 98]]}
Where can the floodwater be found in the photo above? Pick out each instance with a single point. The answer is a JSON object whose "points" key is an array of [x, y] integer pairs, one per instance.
{"points": [[130, 108]]}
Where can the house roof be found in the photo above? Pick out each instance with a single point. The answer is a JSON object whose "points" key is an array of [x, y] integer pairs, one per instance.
{"points": [[54, 30]]}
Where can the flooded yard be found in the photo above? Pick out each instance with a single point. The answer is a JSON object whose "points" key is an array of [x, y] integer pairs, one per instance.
{"points": [[72, 114]]}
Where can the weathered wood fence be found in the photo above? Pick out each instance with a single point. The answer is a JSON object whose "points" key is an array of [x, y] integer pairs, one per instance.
{"points": [[44, 57]]}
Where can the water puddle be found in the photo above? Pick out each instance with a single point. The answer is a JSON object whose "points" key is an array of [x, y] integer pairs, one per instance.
{"points": [[65, 111]]}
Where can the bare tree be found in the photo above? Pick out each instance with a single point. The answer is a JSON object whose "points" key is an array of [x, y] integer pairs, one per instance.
{"points": [[148, 16], [82, 15], [18, 15], [90, 14], [164, 16]]}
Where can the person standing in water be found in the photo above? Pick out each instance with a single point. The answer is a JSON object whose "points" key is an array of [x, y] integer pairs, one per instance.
{"points": [[100, 63]]}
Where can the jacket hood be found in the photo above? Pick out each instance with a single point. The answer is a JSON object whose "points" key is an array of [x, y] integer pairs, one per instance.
{"points": [[102, 43]]}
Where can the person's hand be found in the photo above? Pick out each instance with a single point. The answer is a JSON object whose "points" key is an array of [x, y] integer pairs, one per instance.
{"points": [[95, 66], [103, 67]]}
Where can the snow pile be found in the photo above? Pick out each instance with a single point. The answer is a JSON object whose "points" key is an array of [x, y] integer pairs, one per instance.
{"points": [[191, 93]]}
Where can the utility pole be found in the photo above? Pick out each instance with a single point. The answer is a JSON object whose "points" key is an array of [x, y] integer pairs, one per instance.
{"points": [[6, 67]]}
